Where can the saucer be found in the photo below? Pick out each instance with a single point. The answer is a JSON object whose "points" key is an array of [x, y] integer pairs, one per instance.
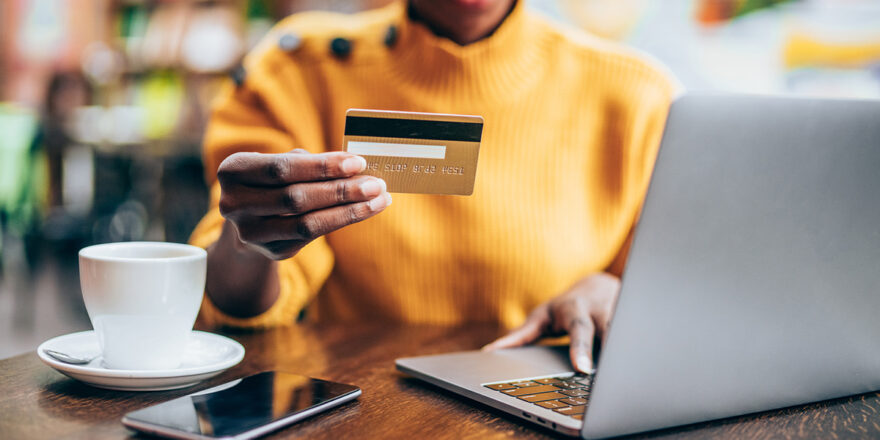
{"points": [[206, 356]]}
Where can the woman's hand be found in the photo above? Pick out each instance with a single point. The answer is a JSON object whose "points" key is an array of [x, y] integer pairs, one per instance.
{"points": [[275, 204], [583, 313], [278, 203]]}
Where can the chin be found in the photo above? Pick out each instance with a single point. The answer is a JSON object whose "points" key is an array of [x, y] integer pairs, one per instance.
{"points": [[474, 4]]}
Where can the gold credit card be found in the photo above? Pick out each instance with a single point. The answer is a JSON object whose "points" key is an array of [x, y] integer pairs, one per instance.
{"points": [[427, 153]]}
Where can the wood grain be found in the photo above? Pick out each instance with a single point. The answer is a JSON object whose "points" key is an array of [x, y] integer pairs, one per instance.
{"points": [[37, 402]]}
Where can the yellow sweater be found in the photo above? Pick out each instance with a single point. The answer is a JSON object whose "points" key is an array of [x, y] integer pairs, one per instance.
{"points": [[572, 124]]}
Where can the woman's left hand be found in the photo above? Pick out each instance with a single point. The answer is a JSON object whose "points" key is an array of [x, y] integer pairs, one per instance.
{"points": [[583, 312]]}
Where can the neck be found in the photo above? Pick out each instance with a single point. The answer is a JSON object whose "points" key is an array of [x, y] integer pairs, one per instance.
{"points": [[461, 22]]}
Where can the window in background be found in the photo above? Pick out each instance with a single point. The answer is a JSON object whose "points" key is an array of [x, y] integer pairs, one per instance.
{"points": [[806, 47]]}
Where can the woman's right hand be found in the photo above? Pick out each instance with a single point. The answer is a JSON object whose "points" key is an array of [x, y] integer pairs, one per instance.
{"points": [[278, 203]]}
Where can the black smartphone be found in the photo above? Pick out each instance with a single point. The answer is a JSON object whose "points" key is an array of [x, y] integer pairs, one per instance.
{"points": [[244, 408]]}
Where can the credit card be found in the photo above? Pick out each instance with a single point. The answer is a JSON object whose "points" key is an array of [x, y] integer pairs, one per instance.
{"points": [[425, 153]]}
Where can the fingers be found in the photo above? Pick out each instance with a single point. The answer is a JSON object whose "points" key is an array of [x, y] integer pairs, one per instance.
{"points": [[325, 221], [582, 332], [602, 319], [604, 310], [530, 331], [584, 312], [258, 169], [299, 198], [280, 202], [280, 234]]}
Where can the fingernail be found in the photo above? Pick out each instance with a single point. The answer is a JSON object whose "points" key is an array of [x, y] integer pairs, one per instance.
{"points": [[584, 363], [372, 187], [378, 203], [354, 164], [388, 196]]}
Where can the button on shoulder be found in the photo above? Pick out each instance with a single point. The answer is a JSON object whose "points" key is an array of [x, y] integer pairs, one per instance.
{"points": [[238, 75], [391, 36], [341, 47], [289, 41]]}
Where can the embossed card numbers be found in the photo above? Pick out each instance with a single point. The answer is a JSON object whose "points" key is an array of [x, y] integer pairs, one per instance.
{"points": [[427, 153]]}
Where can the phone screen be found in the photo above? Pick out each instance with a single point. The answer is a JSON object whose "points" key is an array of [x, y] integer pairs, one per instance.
{"points": [[240, 406]]}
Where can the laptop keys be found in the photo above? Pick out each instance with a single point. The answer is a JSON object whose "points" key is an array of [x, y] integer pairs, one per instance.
{"points": [[575, 393], [565, 395], [542, 397], [551, 404], [571, 410], [501, 386], [568, 385], [574, 401], [547, 381], [530, 390]]}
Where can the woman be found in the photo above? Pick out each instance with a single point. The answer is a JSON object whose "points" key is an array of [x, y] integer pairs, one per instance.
{"points": [[572, 124]]}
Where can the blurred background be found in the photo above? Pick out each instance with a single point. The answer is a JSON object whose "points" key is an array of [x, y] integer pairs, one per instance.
{"points": [[103, 102]]}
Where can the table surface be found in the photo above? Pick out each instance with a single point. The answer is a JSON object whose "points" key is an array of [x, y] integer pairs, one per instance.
{"points": [[37, 402]]}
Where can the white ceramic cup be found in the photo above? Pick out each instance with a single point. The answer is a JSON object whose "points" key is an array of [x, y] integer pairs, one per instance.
{"points": [[142, 299]]}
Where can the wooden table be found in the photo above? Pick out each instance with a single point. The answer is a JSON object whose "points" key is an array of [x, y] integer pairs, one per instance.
{"points": [[37, 402]]}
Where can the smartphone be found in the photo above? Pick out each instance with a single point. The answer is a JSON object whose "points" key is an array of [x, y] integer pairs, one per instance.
{"points": [[242, 409]]}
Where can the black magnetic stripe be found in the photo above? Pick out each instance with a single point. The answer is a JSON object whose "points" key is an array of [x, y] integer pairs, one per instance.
{"points": [[413, 129]]}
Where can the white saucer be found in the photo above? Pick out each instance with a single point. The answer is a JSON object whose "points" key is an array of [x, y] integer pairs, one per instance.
{"points": [[207, 355]]}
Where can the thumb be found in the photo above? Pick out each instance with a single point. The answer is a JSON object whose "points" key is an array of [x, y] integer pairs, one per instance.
{"points": [[530, 331]]}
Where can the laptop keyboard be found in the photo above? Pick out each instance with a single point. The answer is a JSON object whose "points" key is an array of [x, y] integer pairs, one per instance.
{"points": [[565, 395]]}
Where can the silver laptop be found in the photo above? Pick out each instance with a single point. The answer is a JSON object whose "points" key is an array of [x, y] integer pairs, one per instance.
{"points": [[753, 282]]}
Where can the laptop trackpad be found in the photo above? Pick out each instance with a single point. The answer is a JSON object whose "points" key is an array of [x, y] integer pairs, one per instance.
{"points": [[472, 368]]}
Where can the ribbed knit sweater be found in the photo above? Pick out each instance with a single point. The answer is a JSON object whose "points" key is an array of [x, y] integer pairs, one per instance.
{"points": [[572, 126]]}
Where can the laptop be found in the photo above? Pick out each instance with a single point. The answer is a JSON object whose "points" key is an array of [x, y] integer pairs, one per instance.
{"points": [[753, 282]]}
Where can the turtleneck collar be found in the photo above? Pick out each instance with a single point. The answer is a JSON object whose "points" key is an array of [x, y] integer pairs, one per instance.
{"points": [[491, 68]]}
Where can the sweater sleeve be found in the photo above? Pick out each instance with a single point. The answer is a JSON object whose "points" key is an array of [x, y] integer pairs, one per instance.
{"points": [[264, 115]]}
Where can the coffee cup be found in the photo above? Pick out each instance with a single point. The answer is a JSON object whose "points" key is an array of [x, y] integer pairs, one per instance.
{"points": [[142, 299]]}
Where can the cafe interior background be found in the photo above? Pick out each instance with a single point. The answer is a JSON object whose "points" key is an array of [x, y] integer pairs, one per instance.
{"points": [[103, 102]]}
